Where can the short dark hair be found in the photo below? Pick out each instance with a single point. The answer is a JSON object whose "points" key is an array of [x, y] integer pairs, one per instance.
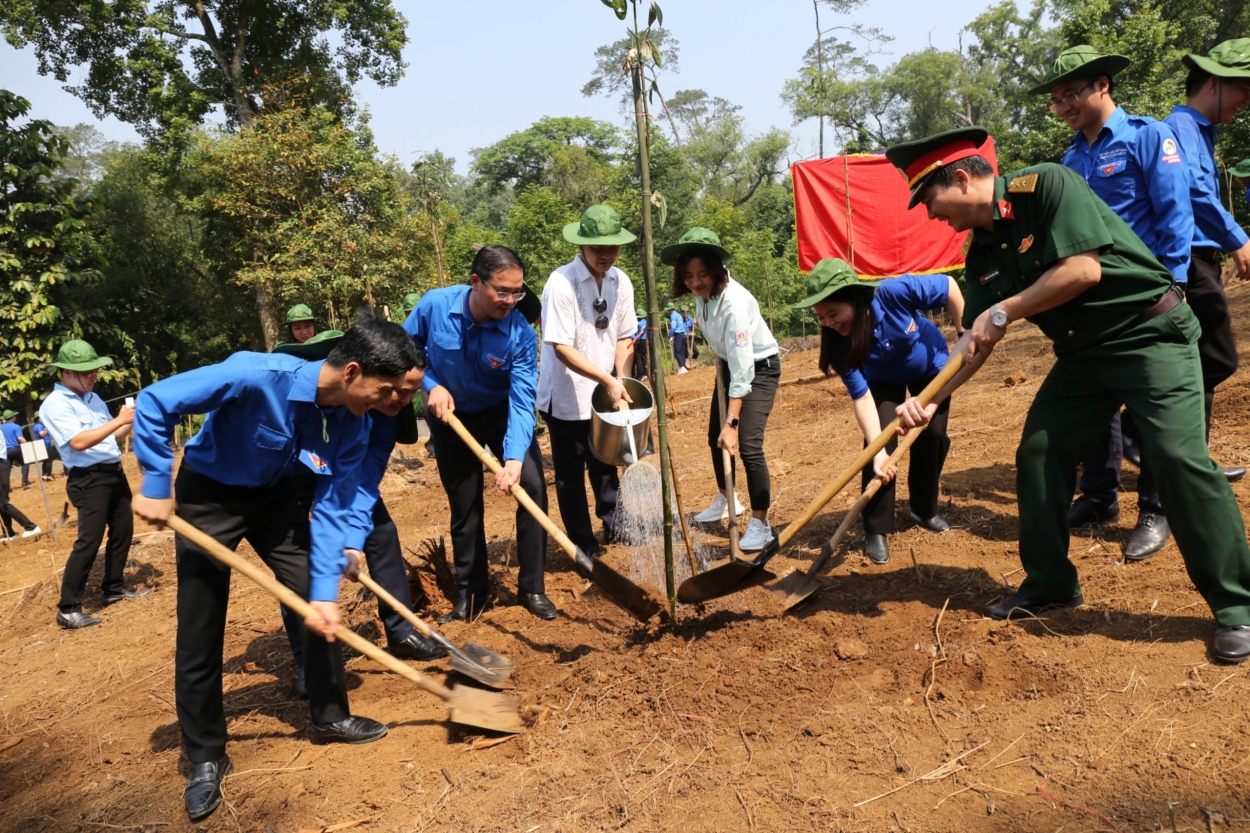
{"points": [[1196, 80], [491, 259], [711, 260], [382, 348], [975, 166]]}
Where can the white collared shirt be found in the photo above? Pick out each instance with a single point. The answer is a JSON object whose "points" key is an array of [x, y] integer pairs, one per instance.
{"points": [[569, 318], [66, 415], [736, 332]]}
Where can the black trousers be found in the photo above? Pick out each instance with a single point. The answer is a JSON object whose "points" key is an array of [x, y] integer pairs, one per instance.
{"points": [[10, 515], [681, 343], [102, 499], [461, 473], [14, 455], [573, 462], [276, 525], [1217, 347], [385, 559], [753, 419], [642, 359], [926, 458], [1100, 470]]}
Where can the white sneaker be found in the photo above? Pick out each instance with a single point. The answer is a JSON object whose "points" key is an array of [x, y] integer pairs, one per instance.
{"points": [[759, 534], [32, 532], [718, 511], [682, 370]]}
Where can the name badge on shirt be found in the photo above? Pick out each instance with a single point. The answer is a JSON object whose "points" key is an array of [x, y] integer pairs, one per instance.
{"points": [[988, 276], [314, 462]]}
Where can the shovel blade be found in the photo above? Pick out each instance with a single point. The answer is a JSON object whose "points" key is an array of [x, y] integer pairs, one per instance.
{"points": [[794, 588], [621, 591], [483, 665], [485, 710], [725, 580]]}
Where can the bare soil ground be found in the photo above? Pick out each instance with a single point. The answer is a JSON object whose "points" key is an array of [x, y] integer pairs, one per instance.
{"points": [[886, 702]]}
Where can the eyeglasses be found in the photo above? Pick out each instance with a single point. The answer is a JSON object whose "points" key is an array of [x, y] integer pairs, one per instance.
{"points": [[1070, 99], [505, 296]]}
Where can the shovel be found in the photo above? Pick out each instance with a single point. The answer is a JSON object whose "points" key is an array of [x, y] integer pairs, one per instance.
{"points": [[472, 660], [727, 463], [620, 591], [740, 574], [470, 706], [797, 586]]}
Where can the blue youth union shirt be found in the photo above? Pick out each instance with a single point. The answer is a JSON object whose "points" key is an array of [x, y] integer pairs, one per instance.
{"points": [[481, 365], [383, 432], [1214, 227], [1138, 169], [11, 431], [906, 346], [262, 421]]}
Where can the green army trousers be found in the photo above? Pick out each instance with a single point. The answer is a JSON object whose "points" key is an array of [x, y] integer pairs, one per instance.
{"points": [[1154, 371]]}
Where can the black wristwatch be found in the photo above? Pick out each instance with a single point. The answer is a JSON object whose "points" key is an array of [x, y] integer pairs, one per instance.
{"points": [[732, 422]]}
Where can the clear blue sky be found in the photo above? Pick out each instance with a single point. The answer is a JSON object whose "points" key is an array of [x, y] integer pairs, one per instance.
{"points": [[482, 69]]}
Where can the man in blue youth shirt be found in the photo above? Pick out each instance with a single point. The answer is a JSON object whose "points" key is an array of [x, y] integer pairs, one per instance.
{"points": [[679, 330], [482, 365], [86, 435], [41, 433], [1134, 165], [1217, 87], [1241, 173], [267, 414]]}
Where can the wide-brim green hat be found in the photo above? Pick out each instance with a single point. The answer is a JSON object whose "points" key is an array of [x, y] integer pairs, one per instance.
{"points": [[1080, 62], [1241, 169], [410, 302], [7, 415], [80, 356], [298, 313], [1230, 59], [695, 238], [317, 347], [640, 313], [600, 226], [827, 277], [920, 159]]}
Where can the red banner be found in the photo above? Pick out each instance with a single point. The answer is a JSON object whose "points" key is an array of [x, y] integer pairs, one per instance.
{"points": [[855, 208]]}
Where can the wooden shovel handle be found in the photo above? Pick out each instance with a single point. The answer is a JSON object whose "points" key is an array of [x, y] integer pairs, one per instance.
{"points": [[396, 605], [517, 492], [727, 462], [292, 600], [869, 491], [954, 363]]}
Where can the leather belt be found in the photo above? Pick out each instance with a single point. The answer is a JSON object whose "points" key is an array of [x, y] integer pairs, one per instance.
{"points": [[1210, 255], [1170, 299], [98, 467]]}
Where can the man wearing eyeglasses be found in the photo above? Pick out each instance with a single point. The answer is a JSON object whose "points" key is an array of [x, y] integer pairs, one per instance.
{"points": [[482, 355], [1132, 163], [588, 329], [1217, 87]]}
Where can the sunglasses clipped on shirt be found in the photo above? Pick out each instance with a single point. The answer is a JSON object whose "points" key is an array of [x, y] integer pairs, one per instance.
{"points": [[601, 307]]}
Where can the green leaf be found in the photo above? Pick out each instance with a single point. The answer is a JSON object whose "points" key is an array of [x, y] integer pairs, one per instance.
{"points": [[651, 16], [618, 7], [655, 53], [657, 199], [659, 15]]}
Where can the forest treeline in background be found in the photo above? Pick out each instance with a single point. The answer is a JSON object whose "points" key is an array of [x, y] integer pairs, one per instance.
{"points": [[258, 184]]}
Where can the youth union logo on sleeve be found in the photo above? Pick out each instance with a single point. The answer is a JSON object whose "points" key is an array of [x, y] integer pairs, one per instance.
{"points": [[1169, 151], [740, 339]]}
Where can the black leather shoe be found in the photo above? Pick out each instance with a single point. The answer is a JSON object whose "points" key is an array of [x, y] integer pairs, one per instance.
{"points": [[300, 686], [417, 647], [1231, 644], [1148, 537], [465, 609], [935, 524], [1234, 473], [1019, 607], [126, 594], [203, 792], [875, 547], [1085, 512], [538, 604], [1132, 451], [348, 730], [75, 620]]}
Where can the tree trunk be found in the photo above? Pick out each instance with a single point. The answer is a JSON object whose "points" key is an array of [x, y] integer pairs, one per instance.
{"points": [[268, 316]]}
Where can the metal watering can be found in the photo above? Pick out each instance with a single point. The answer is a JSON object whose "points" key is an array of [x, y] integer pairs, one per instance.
{"points": [[609, 437]]}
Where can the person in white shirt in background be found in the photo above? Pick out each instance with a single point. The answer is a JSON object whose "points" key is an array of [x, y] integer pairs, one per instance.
{"points": [[588, 324], [735, 331]]}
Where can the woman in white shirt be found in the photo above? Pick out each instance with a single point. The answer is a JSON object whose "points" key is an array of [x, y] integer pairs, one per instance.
{"points": [[735, 331]]}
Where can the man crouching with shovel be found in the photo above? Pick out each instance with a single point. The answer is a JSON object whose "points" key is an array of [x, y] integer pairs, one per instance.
{"points": [[1045, 248], [266, 415]]}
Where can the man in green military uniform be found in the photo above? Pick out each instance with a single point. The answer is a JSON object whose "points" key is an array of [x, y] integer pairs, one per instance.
{"points": [[1045, 248]]}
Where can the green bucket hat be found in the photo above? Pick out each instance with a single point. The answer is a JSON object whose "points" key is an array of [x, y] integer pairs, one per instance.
{"points": [[7, 415], [696, 238], [81, 356], [1241, 169], [1080, 62], [827, 277], [640, 313], [409, 303], [297, 313], [317, 347], [600, 226], [1230, 59]]}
